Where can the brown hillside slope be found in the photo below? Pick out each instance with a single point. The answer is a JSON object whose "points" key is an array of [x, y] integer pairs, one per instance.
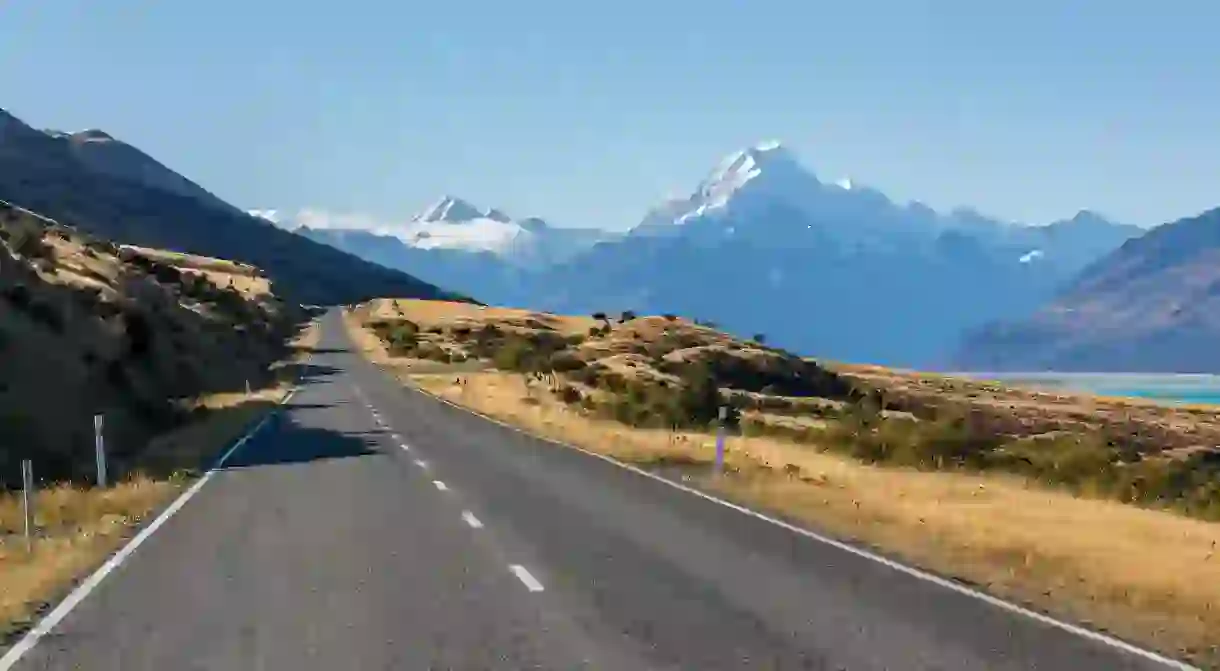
{"points": [[88, 327]]}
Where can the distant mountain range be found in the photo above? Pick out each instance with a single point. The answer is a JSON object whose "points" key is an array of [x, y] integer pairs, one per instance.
{"points": [[1153, 305], [761, 245], [833, 269], [107, 187]]}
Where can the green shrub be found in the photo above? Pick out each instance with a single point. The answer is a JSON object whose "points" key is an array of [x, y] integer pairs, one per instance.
{"points": [[401, 342], [568, 394], [566, 362], [18, 296], [47, 314], [516, 354], [139, 333], [432, 352], [588, 375]]}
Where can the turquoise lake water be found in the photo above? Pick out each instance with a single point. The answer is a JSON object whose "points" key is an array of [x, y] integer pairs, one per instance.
{"points": [[1172, 389]]}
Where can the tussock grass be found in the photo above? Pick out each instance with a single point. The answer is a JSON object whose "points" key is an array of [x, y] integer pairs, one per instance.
{"points": [[75, 529], [1151, 576]]}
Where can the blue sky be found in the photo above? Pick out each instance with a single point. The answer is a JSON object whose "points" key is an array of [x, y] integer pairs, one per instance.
{"points": [[587, 114]]}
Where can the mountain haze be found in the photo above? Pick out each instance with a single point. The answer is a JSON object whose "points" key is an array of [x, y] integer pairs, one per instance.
{"points": [[1152, 305]]}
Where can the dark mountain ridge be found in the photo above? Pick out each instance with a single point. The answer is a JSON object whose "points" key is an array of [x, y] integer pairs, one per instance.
{"points": [[46, 173]]}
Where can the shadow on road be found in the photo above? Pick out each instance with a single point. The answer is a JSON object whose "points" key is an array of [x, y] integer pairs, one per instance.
{"points": [[330, 350], [308, 372], [291, 443]]}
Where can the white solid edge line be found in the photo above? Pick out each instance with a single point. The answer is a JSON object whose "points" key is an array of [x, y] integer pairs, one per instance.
{"points": [[440, 485], [52, 619], [857, 551], [470, 519], [531, 583]]}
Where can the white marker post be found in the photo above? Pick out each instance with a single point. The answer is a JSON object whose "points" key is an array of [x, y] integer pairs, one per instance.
{"points": [[99, 448], [27, 510], [724, 413]]}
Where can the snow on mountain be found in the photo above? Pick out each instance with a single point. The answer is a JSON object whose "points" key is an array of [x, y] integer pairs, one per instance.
{"points": [[451, 209], [454, 224], [763, 194], [761, 233]]}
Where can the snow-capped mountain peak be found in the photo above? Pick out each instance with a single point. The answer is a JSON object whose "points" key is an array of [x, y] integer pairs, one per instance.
{"points": [[454, 224], [497, 215], [761, 172], [450, 209], [745, 165]]}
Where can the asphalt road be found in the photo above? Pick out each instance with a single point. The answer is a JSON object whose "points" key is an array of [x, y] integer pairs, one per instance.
{"points": [[324, 543]]}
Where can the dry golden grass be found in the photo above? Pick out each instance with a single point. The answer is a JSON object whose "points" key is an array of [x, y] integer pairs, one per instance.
{"points": [[76, 528], [1150, 576], [246, 279], [1175, 427], [372, 347], [444, 313]]}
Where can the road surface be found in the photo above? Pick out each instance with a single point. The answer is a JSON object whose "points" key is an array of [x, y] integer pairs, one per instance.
{"points": [[372, 527]]}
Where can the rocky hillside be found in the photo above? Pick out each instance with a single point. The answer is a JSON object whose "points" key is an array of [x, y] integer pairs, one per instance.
{"points": [[112, 190], [87, 326], [1153, 305]]}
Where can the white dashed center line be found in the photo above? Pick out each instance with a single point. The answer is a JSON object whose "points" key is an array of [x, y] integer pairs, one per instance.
{"points": [[440, 485], [422, 464], [471, 520], [531, 583]]}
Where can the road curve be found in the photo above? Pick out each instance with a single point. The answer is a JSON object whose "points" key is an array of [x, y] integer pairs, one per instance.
{"points": [[372, 527]]}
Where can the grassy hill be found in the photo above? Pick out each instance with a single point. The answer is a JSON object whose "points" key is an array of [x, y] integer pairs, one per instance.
{"points": [[87, 326], [667, 372]]}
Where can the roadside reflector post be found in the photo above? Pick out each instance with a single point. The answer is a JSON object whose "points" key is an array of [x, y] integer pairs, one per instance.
{"points": [[247, 386], [720, 430], [27, 508], [99, 449]]}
